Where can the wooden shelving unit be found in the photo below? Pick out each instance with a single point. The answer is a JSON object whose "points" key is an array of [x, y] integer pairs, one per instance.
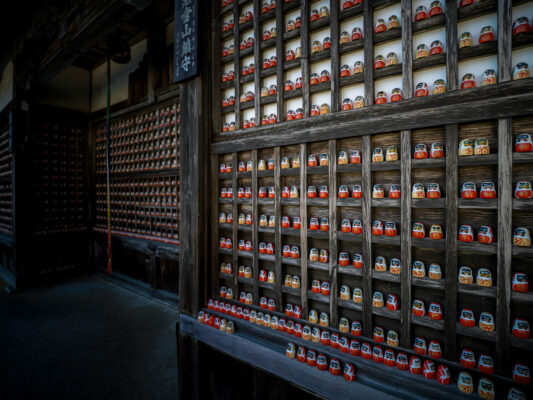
{"points": [[447, 119]]}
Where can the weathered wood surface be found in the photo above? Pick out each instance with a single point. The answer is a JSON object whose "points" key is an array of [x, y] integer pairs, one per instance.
{"points": [[500, 101]]}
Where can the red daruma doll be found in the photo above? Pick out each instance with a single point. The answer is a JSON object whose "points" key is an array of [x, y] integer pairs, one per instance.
{"points": [[443, 375], [418, 309], [349, 372], [435, 232], [484, 235], [395, 192], [433, 191], [428, 369], [419, 231], [466, 318], [523, 143], [487, 191], [468, 190], [346, 226], [521, 374], [357, 226], [402, 362], [420, 151], [377, 228], [343, 192], [466, 234], [523, 190], [357, 192], [521, 329]]}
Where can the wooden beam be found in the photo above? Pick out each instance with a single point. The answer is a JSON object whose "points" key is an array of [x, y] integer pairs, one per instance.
{"points": [[237, 65], [257, 62], [255, 235], [366, 186], [235, 232], [499, 101], [333, 225], [306, 53], [407, 49], [280, 60], [368, 40], [303, 229], [335, 58], [277, 230], [505, 240], [405, 225], [505, 40], [452, 57], [450, 308]]}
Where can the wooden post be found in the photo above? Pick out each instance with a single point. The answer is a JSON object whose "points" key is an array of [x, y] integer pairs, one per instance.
{"points": [[505, 240], [366, 186], [505, 40], [407, 50], [255, 235], [257, 63], [333, 224], [306, 51], [303, 228], [450, 312], [277, 230], [368, 40], [335, 64], [405, 336], [452, 50]]}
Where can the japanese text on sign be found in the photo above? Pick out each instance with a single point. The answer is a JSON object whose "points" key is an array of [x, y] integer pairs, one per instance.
{"points": [[185, 39]]}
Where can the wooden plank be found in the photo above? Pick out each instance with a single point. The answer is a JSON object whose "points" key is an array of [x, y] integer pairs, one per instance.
{"points": [[450, 308], [193, 149], [255, 224], [303, 229], [504, 100], [405, 274], [368, 39], [333, 224], [407, 49], [279, 65], [505, 40], [216, 72], [257, 64], [277, 230], [335, 59], [306, 52], [188, 360], [237, 66], [452, 68], [235, 211], [505, 239], [366, 186]]}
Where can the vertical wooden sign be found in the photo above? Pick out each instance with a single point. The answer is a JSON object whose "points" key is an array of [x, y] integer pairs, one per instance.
{"points": [[185, 39]]}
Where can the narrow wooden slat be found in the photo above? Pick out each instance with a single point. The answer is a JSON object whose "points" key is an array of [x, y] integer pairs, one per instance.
{"points": [[452, 68], [505, 231], [237, 66], [279, 65], [405, 336], [505, 40], [255, 224], [277, 230], [452, 135], [257, 63], [216, 73], [366, 186], [333, 256], [215, 233], [306, 51], [235, 233], [368, 39], [303, 228], [335, 62], [407, 49]]}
